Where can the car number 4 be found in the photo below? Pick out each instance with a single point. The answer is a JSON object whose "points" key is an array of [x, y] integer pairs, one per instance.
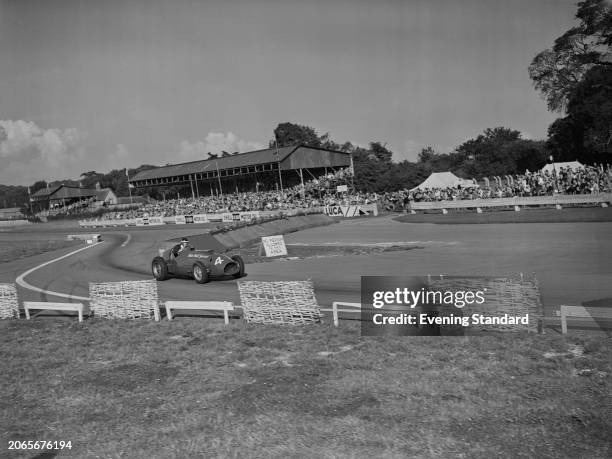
{"points": [[218, 261]]}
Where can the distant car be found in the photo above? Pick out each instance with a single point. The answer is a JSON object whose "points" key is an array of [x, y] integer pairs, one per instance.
{"points": [[202, 264]]}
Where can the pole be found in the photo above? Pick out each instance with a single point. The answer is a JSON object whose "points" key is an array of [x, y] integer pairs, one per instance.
{"points": [[352, 175], [191, 185], [552, 160], [280, 177], [302, 182], [219, 177], [195, 179], [129, 188]]}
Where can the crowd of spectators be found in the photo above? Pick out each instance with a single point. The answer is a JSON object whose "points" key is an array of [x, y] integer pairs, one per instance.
{"points": [[322, 191], [318, 192], [565, 180]]}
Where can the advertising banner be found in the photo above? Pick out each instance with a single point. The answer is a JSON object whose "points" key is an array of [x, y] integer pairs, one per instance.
{"points": [[200, 218], [156, 221], [351, 211], [248, 216], [214, 217], [180, 220]]}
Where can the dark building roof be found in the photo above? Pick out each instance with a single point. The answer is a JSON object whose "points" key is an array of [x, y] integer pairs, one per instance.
{"points": [[292, 157], [45, 192], [63, 192]]}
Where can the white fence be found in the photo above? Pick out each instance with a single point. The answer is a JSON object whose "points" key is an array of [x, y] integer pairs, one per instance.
{"points": [[227, 217], [174, 220], [557, 200], [14, 222]]}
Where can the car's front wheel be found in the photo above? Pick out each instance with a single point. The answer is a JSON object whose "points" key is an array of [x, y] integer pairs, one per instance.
{"points": [[159, 268], [200, 274]]}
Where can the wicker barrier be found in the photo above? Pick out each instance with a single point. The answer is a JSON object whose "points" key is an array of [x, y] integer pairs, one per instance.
{"points": [[124, 300], [512, 296], [9, 306], [283, 302]]}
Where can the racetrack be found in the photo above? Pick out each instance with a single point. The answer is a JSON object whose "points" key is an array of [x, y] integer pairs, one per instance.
{"points": [[571, 260]]}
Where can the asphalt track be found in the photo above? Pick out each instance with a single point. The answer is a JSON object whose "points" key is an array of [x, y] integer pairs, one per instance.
{"points": [[571, 260]]}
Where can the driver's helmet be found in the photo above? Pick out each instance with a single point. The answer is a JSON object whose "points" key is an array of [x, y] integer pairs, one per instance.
{"points": [[184, 242]]}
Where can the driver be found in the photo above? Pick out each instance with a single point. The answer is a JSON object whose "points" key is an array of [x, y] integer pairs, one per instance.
{"points": [[178, 248]]}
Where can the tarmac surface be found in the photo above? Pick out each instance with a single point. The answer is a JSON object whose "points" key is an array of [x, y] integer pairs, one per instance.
{"points": [[570, 260]]}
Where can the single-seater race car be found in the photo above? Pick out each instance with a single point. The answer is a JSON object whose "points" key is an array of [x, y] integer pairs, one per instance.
{"points": [[201, 259]]}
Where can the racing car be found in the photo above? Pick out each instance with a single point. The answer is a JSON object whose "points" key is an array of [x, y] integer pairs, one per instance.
{"points": [[200, 263]]}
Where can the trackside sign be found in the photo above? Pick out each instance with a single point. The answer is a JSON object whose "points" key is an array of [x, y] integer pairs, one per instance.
{"points": [[274, 246]]}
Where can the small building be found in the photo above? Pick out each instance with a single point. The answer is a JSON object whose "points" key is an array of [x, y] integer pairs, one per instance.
{"points": [[106, 197]]}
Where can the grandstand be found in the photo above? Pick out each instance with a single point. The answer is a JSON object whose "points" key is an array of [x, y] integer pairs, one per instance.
{"points": [[272, 168], [61, 196]]}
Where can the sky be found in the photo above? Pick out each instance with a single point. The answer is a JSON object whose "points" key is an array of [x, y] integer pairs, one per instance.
{"points": [[107, 84]]}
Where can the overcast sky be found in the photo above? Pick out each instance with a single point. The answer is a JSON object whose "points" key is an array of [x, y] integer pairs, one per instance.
{"points": [[96, 84]]}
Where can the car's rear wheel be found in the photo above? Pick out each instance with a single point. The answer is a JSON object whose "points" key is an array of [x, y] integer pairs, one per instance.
{"points": [[240, 262], [159, 268], [200, 274]]}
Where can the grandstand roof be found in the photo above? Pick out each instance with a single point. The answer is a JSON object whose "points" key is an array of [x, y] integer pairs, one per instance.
{"points": [[291, 157]]}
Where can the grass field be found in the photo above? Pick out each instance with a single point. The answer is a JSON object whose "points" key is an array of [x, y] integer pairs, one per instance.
{"points": [[195, 388], [14, 250]]}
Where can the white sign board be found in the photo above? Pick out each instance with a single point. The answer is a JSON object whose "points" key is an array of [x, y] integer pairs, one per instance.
{"points": [[248, 216], [274, 246], [200, 218], [342, 188], [156, 221]]}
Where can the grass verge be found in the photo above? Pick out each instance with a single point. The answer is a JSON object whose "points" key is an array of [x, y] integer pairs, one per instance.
{"points": [[255, 254], [14, 250], [567, 215], [195, 388]]}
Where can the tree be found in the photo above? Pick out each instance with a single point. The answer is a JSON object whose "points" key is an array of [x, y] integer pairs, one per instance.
{"points": [[590, 105], [287, 134], [585, 133], [558, 70], [38, 186], [381, 152]]}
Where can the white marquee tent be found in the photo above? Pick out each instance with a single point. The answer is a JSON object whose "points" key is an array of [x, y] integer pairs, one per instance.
{"points": [[573, 165], [444, 180]]}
